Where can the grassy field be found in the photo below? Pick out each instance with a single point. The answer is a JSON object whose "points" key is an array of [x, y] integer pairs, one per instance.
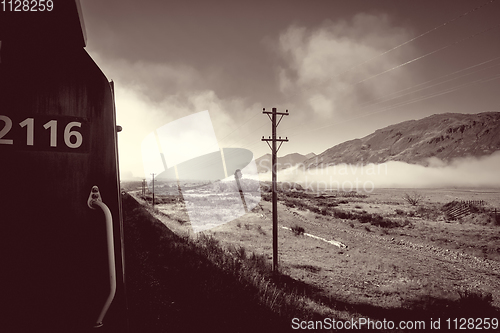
{"points": [[176, 283], [401, 262]]}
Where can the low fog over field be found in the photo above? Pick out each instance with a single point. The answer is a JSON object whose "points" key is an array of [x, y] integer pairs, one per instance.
{"points": [[463, 172]]}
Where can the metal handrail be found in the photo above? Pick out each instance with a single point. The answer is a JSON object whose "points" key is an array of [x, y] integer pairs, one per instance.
{"points": [[93, 202]]}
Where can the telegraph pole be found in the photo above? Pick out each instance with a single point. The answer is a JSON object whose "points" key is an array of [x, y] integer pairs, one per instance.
{"points": [[153, 191], [275, 196]]}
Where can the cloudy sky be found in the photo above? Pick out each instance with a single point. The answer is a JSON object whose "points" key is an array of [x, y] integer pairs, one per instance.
{"points": [[342, 68]]}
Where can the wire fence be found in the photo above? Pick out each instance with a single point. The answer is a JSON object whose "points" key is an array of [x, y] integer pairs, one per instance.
{"points": [[458, 209]]}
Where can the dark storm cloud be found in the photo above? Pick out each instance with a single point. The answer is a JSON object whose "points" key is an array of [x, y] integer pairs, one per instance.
{"points": [[172, 59]]}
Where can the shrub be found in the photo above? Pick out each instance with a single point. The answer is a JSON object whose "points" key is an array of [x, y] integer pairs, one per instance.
{"points": [[399, 211], [408, 223], [343, 215], [413, 199], [364, 218], [298, 230], [260, 230], [315, 209], [380, 221]]}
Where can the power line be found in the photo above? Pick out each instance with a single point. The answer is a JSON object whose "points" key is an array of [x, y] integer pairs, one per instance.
{"points": [[195, 166], [238, 127], [419, 36], [443, 76], [420, 84], [230, 154], [396, 67], [371, 103], [407, 62], [411, 40], [428, 54], [425, 55], [251, 133], [415, 100]]}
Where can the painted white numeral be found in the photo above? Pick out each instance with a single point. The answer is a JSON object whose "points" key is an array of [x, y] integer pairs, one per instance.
{"points": [[5, 130], [53, 132], [68, 134], [30, 132], [29, 123]]}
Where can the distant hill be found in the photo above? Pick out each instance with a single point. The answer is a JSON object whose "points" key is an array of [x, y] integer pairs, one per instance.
{"points": [[264, 162], [445, 136], [310, 155]]}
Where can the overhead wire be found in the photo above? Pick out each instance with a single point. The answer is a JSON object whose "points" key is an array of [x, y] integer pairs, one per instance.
{"points": [[238, 127], [428, 54], [442, 76], [412, 90], [421, 35], [217, 146], [382, 100], [407, 62], [409, 41], [216, 160], [414, 100], [420, 57], [425, 55]]}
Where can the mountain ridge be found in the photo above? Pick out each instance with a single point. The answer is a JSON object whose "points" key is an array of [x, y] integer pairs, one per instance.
{"points": [[264, 162], [444, 136]]}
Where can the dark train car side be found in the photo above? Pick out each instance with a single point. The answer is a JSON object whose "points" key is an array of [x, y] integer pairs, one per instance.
{"points": [[58, 139]]}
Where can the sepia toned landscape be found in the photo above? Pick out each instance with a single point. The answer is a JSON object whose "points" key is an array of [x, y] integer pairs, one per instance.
{"points": [[386, 131], [241, 167], [348, 248], [351, 255]]}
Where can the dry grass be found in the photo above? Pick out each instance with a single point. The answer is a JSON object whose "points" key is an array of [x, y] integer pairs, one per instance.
{"points": [[171, 278], [387, 272]]}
